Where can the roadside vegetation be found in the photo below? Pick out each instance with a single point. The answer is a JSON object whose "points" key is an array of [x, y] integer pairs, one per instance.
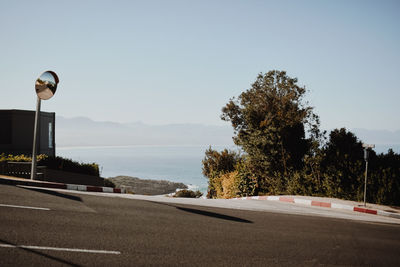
{"points": [[188, 193], [283, 150], [56, 163], [145, 186], [108, 183]]}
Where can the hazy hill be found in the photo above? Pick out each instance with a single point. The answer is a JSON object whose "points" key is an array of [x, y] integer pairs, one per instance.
{"points": [[83, 131], [378, 136], [86, 132]]}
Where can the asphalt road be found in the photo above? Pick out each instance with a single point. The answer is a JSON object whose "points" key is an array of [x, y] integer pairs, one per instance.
{"points": [[127, 232]]}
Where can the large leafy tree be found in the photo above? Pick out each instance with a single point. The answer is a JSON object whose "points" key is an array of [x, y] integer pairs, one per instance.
{"points": [[343, 165], [384, 178], [269, 122]]}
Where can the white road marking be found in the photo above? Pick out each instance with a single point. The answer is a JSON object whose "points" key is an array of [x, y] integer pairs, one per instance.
{"points": [[23, 207], [61, 249]]}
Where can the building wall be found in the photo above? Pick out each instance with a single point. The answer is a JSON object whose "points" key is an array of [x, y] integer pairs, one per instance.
{"points": [[16, 132]]}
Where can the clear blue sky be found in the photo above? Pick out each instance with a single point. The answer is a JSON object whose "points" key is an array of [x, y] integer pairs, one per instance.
{"points": [[163, 62]]}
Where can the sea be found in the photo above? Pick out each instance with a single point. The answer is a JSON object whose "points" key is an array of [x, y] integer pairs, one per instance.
{"points": [[173, 163]]}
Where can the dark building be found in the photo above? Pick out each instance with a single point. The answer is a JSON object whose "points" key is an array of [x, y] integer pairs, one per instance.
{"points": [[16, 132]]}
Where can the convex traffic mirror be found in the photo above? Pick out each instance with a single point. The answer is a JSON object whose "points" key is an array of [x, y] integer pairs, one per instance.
{"points": [[46, 85]]}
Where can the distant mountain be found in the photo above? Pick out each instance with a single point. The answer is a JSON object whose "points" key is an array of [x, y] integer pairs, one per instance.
{"points": [[380, 137], [83, 131]]}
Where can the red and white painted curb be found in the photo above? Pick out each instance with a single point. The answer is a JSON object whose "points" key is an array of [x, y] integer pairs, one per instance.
{"points": [[76, 187], [309, 202], [93, 188]]}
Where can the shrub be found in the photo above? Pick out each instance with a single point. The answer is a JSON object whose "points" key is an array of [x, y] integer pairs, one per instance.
{"points": [[224, 186], [56, 163], [109, 183], [216, 164], [20, 158], [59, 163]]}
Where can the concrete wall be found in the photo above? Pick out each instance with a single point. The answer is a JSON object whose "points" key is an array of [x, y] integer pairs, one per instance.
{"points": [[16, 132]]}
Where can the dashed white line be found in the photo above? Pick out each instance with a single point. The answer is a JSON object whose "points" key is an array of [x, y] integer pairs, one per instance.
{"points": [[61, 249], [22, 207]]}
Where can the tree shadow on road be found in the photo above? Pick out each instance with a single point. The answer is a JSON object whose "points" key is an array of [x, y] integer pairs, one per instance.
{"points": [[41, 254], [207, 213], [54, 193]]}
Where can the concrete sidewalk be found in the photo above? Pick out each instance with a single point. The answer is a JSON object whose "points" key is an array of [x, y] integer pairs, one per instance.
{"points": [[27, 182]]}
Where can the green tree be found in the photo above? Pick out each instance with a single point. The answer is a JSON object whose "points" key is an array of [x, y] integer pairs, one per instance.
{"points": [[343, 165], [269, 122], [384, 178]]}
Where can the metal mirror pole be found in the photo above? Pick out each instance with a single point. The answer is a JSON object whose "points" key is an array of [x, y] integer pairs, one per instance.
{"points": [[45, 87], [37, 114], [366, 147], [365, 180]]}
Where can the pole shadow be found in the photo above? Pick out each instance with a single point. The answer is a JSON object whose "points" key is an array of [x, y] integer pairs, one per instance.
{"points": [[206, 213]]}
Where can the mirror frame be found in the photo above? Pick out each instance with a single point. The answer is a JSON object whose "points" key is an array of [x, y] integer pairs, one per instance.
{"points": [[40, 93]]}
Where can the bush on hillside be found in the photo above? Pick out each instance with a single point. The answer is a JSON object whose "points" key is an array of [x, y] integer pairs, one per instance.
{"points": [[188, 194], [109, 183]]}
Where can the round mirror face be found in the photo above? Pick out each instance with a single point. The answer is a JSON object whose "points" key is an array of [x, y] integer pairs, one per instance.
{"points": [[46, 85]]}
